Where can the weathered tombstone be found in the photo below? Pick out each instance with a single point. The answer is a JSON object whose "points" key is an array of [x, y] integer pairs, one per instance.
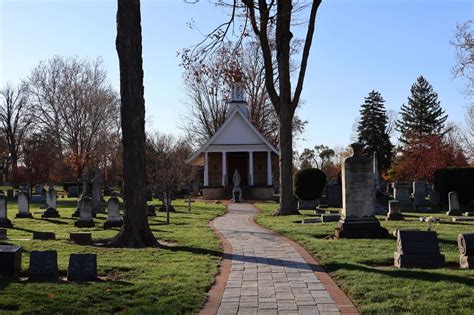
{"points": [[151, 211], [466, 250], [97, 182], [418, 249], [401, 192], [394, 211], [85, 216], [73, 192], [468, 214], [51, 211], [358, 198], [435, 198], [43, 265], [3, 234], [23, 206], [80, 238], [453, 199], [236, 191], [113, 214], [77, 212], [44, 236], [334, 195], [82, 267], [419, 193], [10, 194], [4, 221], [10, 260]]}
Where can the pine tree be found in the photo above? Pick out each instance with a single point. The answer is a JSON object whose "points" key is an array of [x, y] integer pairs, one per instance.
{"points": [[423, 116], [372, 129]]}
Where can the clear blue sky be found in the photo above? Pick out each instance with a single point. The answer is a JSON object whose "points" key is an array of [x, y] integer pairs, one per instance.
{"points": [[358, 46]]}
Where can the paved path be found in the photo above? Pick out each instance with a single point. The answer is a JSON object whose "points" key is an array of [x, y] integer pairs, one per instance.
{"points": [[268, 274]]}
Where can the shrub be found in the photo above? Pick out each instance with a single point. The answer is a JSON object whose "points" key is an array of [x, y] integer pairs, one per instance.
{"points": [[309, 183], [460, 180]]}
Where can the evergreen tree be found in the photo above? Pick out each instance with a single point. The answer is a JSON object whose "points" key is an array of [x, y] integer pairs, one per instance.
{"points": [[423, 116], [372, 129]]}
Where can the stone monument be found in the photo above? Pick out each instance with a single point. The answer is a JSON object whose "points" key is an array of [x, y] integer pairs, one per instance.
{"points": [[236, 191], [43, 265], [401, 192], [376, 172], [453, 199], [419, 193], [394, 211], [51, 211], [23, 206], [466, 250], [4, 221], [418, 249], [97, 182], [113, 214], [358, 198], [85, 217]]}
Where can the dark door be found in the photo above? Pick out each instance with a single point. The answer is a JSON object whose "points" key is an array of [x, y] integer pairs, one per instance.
{"points": [[238, 161]]}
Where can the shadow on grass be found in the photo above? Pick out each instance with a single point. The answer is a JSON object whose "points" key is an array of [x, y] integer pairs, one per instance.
{"points": [[52, 221], [423, 275]]}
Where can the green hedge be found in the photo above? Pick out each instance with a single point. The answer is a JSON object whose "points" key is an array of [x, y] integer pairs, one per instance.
{"points": [[455, 179], [309, 183]]}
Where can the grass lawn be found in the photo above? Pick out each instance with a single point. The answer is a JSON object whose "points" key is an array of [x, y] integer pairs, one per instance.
{"points": [[364, 268], [172, 279]]}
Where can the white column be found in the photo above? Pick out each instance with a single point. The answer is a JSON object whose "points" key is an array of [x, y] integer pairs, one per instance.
{"points": [[269, 168], [206, 169], [251, 167], [224, 168]]}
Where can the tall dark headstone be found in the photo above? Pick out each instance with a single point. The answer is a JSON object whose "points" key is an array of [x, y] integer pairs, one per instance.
{"points": [[4, 221], [358, 198], [43, 265], [10, 260]]}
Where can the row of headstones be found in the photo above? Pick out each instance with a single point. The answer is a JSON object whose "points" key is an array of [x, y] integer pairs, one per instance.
{"points": [[420, 249], [84, 205], [44, 264], [400, 203]]}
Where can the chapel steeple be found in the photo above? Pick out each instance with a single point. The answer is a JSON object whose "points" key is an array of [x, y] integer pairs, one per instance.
{"points": [[237, 99]]}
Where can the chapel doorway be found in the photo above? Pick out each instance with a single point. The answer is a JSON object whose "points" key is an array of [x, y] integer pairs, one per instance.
{"points": [[238, 161]]}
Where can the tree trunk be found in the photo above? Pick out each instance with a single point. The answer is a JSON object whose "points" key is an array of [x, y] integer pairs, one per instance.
{"points": [[167, 205], [135, 231], [287, 201]]}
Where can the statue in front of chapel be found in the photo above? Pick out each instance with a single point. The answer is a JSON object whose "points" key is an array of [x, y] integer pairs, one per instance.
{"points": [[236, 191]]}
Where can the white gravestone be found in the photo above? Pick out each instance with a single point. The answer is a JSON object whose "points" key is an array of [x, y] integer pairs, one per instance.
{"points": [[51, 211], [23, 206], [85, 215], [453, 199], [113, 213], [4, 221], [394, 211], [358, 198]]}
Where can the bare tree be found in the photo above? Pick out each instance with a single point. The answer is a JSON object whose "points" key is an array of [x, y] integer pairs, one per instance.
{"points": [[464, 44], [265, 16], [166, 167], [135, 231], [15, 121], [73, 100]]}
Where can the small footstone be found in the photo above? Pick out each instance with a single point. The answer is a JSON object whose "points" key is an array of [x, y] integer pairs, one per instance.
{"points": [[44, 236], [81, 238], [3, 234], [50, 213], [10, 260], [82, 267], [43, 265], [330, 217], [469, 214]]}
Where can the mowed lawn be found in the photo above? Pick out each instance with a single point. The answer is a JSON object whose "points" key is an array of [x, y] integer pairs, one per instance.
{"points": [[172, 279], [364, 268]]}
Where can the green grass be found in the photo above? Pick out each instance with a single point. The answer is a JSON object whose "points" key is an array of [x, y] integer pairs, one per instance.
{"points": [[172, 279], [364, 268]]}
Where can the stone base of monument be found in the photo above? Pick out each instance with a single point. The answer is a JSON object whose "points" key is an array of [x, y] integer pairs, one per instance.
{"points": [[454, 212], [5, 223], [418, 261], [237, 194], [23, 216], [360, 228], [50, 213], [151, 211], [113, 223], [395, 216], [466, 214], [84, 223]]}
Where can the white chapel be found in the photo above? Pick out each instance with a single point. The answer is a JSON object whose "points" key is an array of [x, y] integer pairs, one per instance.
{"points": [[237, 145]]}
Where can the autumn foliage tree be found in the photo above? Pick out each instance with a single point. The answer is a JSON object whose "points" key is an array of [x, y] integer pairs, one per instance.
{"points": [[424, 155]]}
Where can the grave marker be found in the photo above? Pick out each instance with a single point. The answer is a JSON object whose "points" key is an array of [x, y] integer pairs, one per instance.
{"points": [[10, 260], [43, 265], [85, 216], [4, 221], [23, 206], [113, 214], [453, 199], [466, 250], [51, 211], [418, 249], [82, 267]]}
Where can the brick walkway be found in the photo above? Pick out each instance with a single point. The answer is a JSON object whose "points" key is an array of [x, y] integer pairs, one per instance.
{"points": [[268, 275]]}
